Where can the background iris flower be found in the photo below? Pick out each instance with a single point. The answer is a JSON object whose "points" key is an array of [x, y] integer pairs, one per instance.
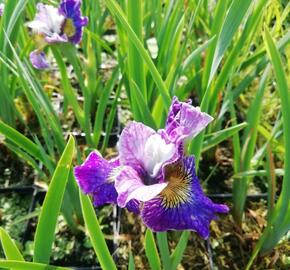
{"points": [[54, 25], [152, 176]]}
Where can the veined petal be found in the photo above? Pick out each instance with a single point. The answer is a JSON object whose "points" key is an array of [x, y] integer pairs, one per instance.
{"points": [[93, 176], [185, 121], [38, 60], [132, 144], [48, 21], [129, 187], [156, 153], [74, 22], [182, 205]]}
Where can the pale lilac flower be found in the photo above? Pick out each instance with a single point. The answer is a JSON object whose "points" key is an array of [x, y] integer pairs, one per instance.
{"points": [[152, 176], [56, 25]]}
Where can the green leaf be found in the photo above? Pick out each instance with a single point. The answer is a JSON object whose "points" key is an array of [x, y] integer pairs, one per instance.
{"points": [[164, 249], [95, 233], [21, 141], [131, 265], [117, 11], [235, 15], [279, 222], [29, 266], [177, 254], [45, 230], [151, 251], [213, 139], [10, 249]]}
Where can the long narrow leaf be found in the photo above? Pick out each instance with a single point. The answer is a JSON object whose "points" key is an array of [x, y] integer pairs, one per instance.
{"points": [[10, 249], [29, 266], [151, 251], [96, 234], [45, 231]]}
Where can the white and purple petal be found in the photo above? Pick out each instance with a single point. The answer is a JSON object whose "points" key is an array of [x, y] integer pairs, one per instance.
{"points": [[74, 22], [132, 145], [48, 21], [38, 60], [182, 205], [93, 176], [185, 121], [130, 187]]}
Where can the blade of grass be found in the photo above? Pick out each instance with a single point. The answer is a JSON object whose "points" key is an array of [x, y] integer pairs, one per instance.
{"points": [[22, 141], [151, 251], [249, 143], [29, 266], [102, 105], [278, 223], [178, 252], [234, 17], [10, 249], [131, 265], [117, 11], [213, 139], [164, 249], [45, 230], [95, 234]]}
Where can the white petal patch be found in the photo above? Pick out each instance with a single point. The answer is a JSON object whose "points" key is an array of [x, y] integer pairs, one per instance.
{"points": [[156, 153], [48, 20]]}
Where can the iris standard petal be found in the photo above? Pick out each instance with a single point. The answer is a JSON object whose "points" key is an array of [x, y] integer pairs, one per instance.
{"points": [[129, 187], [132, 144], [74, 22], [38, 60], [182, 205], [93, 176], [185, 121], [48, 21]]}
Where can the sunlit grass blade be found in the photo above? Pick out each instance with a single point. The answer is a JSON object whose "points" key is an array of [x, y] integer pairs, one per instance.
{"points": [[21, 141], [190, 59], [135, 61], [102, 105], [164, 249], [45, 230], [96, 235], [259, 173], [111, 118], [177, 254], [67, 88], [29, 266], [151, 251], [117, 11], [10, 249], [143, 108], [279, 221], [247, 152], [214, 139], [234, 17], [131, 265]]}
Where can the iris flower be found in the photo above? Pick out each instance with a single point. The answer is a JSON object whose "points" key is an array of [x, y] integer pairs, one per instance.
{"points": [[55, 25], [152, 176]]}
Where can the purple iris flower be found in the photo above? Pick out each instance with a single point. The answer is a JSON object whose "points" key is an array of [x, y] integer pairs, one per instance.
{"points": [[55, 25], [152, 176]]}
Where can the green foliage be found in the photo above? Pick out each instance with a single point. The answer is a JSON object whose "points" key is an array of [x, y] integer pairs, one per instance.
{"points": [[210, 51]]}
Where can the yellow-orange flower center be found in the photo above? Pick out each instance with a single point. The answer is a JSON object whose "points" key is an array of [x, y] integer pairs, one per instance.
{"points": [[69, 28], [179, 185]]}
